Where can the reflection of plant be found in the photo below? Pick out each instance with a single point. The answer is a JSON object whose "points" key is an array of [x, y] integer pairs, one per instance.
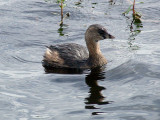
{"points": [[135, 25], [135, 29], [60, 30], [131, 39], [112, 2]]}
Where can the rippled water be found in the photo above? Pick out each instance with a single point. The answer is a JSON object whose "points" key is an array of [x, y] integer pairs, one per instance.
{"points": [[127, 89]]}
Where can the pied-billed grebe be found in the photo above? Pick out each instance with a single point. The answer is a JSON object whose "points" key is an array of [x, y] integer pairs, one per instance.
{"points": [[75, 56]]}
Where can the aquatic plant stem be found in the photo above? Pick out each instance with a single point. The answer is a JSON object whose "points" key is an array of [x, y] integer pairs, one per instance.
{"points": [[133, 7], [61, 12]]}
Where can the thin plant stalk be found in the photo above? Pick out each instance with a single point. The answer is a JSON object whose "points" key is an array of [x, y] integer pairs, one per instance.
{"points": [[133, 7], [61, 12]]}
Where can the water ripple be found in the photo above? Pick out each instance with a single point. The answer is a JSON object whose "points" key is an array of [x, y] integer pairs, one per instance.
{"points": [[23, 60]]}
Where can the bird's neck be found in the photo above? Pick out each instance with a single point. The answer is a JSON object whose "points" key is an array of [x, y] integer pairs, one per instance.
{"points": [[93, 48], [95, 56]]}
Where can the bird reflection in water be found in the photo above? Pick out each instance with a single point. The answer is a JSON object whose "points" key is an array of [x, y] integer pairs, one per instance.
{"points": [[63, 71], [95, 96]]}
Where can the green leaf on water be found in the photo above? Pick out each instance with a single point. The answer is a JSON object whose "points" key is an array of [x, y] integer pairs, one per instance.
{"points": [[139, 2], [58, 1], [64, 5], [128, 10]]}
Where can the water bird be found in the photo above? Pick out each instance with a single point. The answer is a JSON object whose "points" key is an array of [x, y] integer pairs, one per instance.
{"points": [[75, 56]]}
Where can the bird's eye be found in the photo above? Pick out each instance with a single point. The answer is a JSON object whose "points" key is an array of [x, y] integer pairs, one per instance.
{"points": [[101, 32]]}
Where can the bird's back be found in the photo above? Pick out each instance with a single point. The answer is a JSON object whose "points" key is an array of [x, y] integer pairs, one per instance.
{"points": [[68, 55]]}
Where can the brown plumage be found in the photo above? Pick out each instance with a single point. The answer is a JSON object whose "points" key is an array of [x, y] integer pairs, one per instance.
{"points": [[75, 56]]}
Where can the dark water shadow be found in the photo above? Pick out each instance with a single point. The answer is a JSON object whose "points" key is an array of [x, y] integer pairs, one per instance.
{"points": [[95, 92], [63, 71]]}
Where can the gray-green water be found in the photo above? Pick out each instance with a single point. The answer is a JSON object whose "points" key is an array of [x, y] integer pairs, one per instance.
{"points": [[128, 88]]}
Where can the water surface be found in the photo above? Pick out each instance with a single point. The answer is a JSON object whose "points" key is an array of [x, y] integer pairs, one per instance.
{"points": [[127, 89]]}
